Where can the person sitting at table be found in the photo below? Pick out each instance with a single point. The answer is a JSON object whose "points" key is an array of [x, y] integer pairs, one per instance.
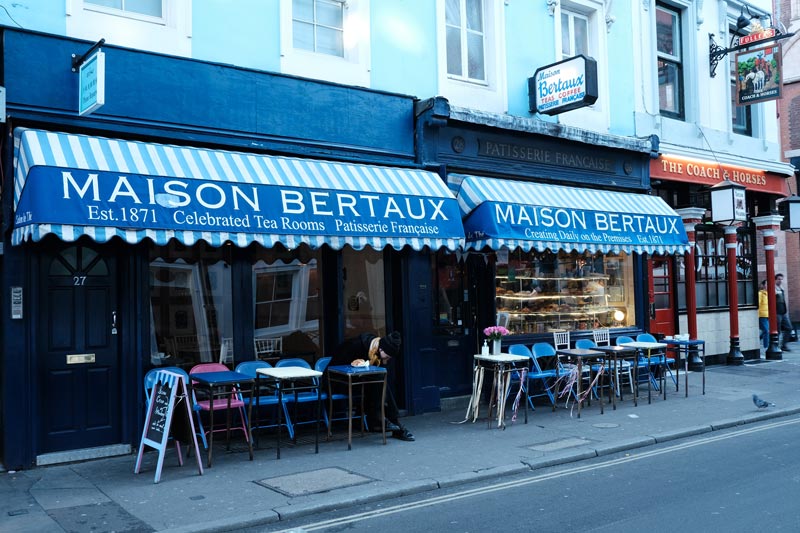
{"points": [[379, 351]]}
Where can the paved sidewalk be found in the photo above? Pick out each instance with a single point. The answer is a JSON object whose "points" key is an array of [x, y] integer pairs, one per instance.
{"points": [[105, 495]]}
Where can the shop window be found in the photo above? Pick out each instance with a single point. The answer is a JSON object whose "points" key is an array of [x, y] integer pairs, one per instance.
{"points": [[711, 269], [190, 304], [544, 291], [326, 40], [364, 292], [670, 61], [449, 286]]}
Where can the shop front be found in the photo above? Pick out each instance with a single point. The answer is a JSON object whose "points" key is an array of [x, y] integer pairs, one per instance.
{"points": [[557, 227], [174, 231], [692, 292]]}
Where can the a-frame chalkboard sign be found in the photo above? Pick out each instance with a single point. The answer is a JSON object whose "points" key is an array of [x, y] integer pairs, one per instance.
{"points": [[168, 415]]}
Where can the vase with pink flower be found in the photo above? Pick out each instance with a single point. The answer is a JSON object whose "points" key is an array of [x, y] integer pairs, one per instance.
{"points": [[495, 334]]}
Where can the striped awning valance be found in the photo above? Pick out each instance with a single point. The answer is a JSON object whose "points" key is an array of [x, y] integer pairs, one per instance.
{"points": [[535, 216], [74, 185]]}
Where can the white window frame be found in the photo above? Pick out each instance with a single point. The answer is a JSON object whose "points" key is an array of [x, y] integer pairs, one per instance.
{"points": [[465, 33], [595, 117], [315, 24], [299, 304], [572, 15], [690, 60], [169, 34], [352, 69], [485, 95]]}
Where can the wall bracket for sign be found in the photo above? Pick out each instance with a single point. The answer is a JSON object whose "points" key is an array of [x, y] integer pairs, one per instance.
{"points": [[78, 61], [168, 415], [716, 53]]}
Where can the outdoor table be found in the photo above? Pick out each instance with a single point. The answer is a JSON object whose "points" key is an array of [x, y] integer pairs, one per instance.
{"points": [[617, 352], [642, 347], [687, 349], [502, 366], [299, 379], [580, 354], [358, 376], [219, 384]]}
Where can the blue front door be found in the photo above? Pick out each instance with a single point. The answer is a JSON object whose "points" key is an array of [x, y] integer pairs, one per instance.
{"points": [[77, 349]]}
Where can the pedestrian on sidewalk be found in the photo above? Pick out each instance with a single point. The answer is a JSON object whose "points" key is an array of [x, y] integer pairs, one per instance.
{"points": [[785, 326], [763, 315], [379, 351]]}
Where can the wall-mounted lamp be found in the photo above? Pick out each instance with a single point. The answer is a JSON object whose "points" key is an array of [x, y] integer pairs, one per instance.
{"points": [[789, 208], [619, 317]]}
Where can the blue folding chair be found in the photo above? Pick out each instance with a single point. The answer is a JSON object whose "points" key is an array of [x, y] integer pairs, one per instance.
{"points": [[149, 381], [301, 397], [660, 358], [546, 369], [271, 398]]}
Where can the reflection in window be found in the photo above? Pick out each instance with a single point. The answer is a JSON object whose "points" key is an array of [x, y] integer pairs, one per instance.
{"points": [[364, 292], [711, 268], [448, 280], [190, 303], [546, 291], [287, 299]]}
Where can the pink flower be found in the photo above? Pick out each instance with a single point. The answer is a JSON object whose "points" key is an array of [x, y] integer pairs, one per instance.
{"points": [[495, 332]]}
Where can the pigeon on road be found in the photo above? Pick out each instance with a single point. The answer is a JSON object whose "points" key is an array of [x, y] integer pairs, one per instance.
{"points": [[762, 404]]}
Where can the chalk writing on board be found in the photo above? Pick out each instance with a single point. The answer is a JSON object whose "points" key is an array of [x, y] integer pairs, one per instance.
{"points": [[159, 408]]}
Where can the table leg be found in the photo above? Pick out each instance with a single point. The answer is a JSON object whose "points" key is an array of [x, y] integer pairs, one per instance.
{"points": [[636, 379], [383, 409], [350, 413], [211, 422], [491, 400], [580, 384], [279, 384], [249, 436], [227, 421], [649, 378], [686, 374], [316, 429]]}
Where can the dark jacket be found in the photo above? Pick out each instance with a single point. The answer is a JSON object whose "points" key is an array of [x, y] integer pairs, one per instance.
{"points": [[353, 348]]}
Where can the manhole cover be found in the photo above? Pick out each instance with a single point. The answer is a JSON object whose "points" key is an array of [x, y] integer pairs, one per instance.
{"points": [[605, 425], [312, 482]]}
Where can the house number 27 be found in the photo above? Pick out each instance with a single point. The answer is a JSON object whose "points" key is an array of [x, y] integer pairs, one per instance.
{"points": [[79, 280]]}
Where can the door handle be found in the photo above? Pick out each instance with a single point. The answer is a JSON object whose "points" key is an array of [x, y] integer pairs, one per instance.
{"points": [[113, 322]]}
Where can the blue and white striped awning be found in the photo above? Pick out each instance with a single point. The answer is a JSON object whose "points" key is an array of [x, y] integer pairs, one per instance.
{"points": [[537, 216], [74, 185]]}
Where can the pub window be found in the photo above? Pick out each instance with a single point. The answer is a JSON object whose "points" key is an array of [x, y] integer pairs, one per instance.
{"points": [[546, 291], [740, 115], [465, 34], [574, 34], [149, 8], [712, 271], [670, 61], [318, 26]]}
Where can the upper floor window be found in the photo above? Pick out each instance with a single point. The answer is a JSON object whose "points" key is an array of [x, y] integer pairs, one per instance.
{"points": [[740, 115], [574, 34], [670, 61], [318, 26], [150, 8], [466, 54]]}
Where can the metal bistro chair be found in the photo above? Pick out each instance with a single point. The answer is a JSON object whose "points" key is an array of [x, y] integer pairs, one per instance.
{"points": [[602, 337], [218, 404], [644, 373], [336, 397], [268, 348], [302, 397], [548, 369], [271, 398], [660, 358]]}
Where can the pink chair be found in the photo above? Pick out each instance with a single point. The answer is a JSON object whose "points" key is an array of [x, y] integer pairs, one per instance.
{"points": [[220, 403]]}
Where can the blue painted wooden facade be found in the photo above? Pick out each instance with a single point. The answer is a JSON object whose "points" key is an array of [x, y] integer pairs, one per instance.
{"points": [[162, 99]]}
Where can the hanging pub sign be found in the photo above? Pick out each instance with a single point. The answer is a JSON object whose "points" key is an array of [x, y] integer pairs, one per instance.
{"points": [[563, 86], [759, 75]]}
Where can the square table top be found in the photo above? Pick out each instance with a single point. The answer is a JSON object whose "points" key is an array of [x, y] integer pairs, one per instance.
{"points": [[221, 378], [579, 352], [643, 345], [349, 369], [289, 372], [501, 358]]}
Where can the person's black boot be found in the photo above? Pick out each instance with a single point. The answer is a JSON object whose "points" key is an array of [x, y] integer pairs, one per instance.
{"points": [[403, 434]]}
